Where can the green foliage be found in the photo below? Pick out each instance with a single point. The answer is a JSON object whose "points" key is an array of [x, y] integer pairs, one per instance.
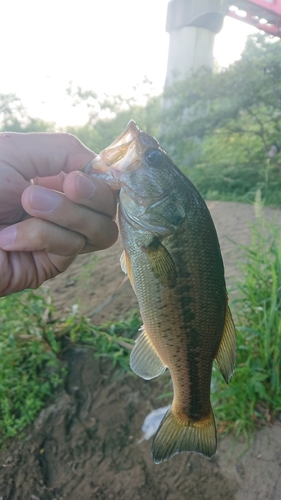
{"points": [[254, 393], [12, 112], [31, 343], [220, 127], [32, 340], [109, 115], [111, 340], [14, 117], [37, 125], [29, 368]]}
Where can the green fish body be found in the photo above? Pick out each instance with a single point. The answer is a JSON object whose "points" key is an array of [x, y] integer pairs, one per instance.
{"points": [[173, 259]]}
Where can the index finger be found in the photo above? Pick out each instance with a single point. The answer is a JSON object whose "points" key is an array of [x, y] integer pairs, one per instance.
{"points": [[43, 154]]}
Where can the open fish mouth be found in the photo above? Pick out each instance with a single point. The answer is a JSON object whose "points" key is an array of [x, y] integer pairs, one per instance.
{"points": [[124, 153]]}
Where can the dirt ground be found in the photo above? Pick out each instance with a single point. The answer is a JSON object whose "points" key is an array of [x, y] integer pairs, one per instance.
{"points": [[84, 444]]}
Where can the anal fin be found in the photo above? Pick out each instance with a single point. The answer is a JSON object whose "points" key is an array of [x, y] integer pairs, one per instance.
{"points": [[226, 354], [144, 360]]}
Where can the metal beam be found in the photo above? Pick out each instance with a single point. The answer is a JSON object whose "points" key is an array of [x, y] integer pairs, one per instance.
{"points": [[263, 14]]}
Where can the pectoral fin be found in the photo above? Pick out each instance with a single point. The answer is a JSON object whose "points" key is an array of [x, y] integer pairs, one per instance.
{"points": [[161, 263], [126, 267], [227, 349], [144, 359]]}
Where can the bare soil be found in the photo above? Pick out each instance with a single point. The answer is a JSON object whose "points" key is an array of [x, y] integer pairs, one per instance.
{"points": [[84, 444]]}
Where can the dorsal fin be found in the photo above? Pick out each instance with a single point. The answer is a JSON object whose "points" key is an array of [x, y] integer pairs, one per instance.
{"points": [[226, 354]]}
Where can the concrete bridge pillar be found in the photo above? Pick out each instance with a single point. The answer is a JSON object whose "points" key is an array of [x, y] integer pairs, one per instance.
{"points": [[192, 25]]}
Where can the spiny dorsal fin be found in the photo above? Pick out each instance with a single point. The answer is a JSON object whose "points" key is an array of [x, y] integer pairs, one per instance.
{"points": [[176, 435], [227, 349], [161, 263], [144, 359]]}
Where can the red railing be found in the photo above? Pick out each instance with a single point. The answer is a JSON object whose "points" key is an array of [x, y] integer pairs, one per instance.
{"points": [[263, 14]]}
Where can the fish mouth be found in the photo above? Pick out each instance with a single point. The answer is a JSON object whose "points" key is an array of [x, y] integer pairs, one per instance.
{"points": [[125, 153]]}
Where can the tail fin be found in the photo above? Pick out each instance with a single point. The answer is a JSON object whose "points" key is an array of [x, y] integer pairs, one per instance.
{"points": [[175, 436]]}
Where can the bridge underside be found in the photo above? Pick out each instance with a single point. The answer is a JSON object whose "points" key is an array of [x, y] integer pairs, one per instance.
{"points": [[193, 24]]}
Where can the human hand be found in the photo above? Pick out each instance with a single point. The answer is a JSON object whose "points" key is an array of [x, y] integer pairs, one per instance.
{"points": [[46, 223]]}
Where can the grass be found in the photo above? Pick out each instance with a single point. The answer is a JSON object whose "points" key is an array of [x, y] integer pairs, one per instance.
{"points": [[29, 367], [253, 396], [31, 347], [32, 342]]}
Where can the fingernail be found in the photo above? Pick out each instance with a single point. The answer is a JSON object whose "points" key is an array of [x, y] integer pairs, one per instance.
{"points": [[85, 186], [8, 236], [44, 200]]}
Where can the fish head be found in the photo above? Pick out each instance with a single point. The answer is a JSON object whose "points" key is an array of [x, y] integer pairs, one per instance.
{"points": [[135, 162], [152, 190]]}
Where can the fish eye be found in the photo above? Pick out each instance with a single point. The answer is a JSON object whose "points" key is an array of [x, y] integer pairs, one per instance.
{"points": [[154, 157]]}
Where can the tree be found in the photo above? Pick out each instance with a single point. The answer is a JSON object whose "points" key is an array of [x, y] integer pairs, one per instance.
{"points": [[222, 126], [12, 112], [14, 117], [108, 115]]}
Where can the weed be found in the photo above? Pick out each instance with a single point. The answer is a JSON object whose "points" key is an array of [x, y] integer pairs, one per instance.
{"points": [[29, 367], [112, 340], [253, 395], [31, 342]]}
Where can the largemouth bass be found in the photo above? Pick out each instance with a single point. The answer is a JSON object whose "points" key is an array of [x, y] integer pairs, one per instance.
{"points": [[173, 260]]}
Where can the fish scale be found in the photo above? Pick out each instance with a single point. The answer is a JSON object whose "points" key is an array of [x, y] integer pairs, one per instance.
{"points": [[173, 260]]}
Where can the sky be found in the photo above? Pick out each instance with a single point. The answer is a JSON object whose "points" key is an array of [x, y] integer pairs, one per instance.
{"points": [[104, 45]]}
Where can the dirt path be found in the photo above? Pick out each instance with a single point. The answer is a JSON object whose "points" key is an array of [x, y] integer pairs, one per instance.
{"points": [[84, 445]]}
